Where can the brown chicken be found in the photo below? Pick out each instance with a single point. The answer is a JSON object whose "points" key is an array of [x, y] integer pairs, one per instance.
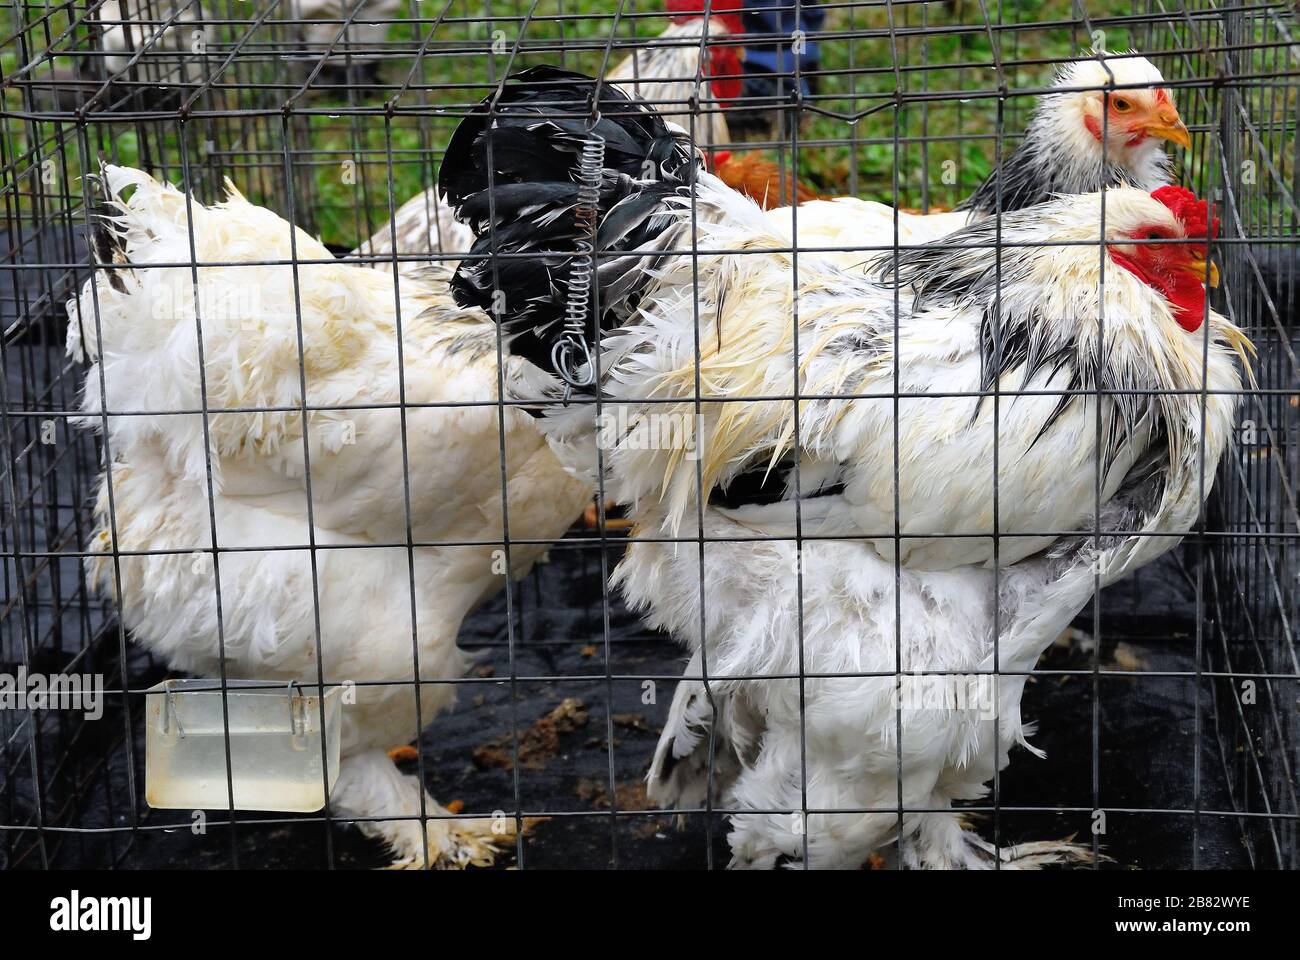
{"points": [[760, 179]]}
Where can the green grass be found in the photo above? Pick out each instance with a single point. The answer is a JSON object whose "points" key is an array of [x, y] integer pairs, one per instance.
{"points": [[846, 156], [342, 180]]}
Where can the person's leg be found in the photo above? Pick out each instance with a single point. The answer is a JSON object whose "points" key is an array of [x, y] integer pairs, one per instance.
{"points": [[771, 59]]}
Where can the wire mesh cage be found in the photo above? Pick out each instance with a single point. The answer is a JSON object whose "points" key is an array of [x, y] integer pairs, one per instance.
{"points": [[1168, 708]]}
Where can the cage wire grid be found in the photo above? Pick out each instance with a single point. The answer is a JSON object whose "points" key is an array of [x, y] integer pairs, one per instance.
{"points": [[335, 116]]}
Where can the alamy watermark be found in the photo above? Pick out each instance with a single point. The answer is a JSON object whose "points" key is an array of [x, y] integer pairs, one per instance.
{"points": [[234, 305], [620, 429], [76, 913], [974, 692], [55, 691]]}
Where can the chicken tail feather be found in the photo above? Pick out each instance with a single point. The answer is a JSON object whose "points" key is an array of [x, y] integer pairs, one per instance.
{"points": [[108, 243], [567, 183]]}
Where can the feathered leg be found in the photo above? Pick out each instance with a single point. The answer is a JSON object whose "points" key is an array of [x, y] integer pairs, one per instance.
{"points": [[370, 786], [697, 749], [835, 841], [944, 841]]}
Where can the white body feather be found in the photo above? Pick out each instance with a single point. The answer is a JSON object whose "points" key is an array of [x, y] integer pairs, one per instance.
{"points": [[147, 351], [951, 580], [424, 226], [323, 26]]}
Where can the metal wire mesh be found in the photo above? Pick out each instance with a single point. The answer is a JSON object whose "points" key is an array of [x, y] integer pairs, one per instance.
{"points": [[334, 116]]}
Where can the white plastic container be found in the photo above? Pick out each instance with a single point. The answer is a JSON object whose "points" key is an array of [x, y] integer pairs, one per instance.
{"points": [[275, 745]]}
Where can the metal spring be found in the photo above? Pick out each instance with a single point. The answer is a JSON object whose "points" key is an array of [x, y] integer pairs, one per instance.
{"points": [[571, 356]]}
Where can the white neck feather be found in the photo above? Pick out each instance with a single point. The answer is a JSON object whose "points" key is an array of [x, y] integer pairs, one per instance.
{"points": [[1080, 159]]}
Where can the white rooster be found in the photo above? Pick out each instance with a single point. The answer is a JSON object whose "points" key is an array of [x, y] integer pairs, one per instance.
{"points": [[670, 73], [1081, 138], [161, 31], [384, 429], [697, 297]]}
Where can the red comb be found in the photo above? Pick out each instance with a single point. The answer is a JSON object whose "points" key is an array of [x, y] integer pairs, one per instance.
{"points": [[1196, 216], [724, 61], [697, 6], [728, 11]]}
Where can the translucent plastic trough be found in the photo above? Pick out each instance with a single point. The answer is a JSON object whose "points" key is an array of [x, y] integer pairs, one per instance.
{"points": [[275, 745]]}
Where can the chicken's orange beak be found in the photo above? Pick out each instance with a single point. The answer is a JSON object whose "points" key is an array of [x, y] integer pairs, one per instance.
{"points": [[1165, 123], [1204, 270]]}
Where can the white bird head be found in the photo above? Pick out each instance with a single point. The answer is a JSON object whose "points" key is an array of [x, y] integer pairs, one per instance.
{"points": [[1158, 237], [1118, 107]]}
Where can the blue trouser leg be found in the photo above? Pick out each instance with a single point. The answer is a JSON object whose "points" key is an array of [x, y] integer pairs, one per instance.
{"points": [[779, 19]]}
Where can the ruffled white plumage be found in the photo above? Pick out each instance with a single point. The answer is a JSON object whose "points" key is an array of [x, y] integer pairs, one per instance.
{"points": [[381, 606], [773, 612]]}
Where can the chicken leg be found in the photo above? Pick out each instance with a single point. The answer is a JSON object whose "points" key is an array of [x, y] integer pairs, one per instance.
{"points": [[420, 832]]}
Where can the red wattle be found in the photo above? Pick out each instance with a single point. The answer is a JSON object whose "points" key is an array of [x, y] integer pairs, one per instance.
{"points": [[1186, 295], [724, 63], [1184, 292]]}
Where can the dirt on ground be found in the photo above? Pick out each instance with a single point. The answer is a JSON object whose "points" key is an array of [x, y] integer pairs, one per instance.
{"points": [[537, 744]]}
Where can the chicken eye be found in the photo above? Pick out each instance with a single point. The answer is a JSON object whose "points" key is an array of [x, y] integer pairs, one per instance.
{"points": [[1122, 104]]}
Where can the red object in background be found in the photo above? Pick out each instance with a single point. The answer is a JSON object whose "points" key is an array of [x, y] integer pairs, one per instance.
{"points": [[728, 11], [716, 159], [724, 61], [760, 179]]}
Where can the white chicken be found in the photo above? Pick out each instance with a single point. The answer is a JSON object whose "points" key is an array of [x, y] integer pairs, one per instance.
{"points": [[353, 539], [1082, 138], [671, 74], [423, 226], [352, 30], [908, 523], [155, 33]]}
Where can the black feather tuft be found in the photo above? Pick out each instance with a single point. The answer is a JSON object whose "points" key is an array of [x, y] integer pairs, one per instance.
{"points": [[523, 202], [1038, 170], [106, 242], [1022, 178]]}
